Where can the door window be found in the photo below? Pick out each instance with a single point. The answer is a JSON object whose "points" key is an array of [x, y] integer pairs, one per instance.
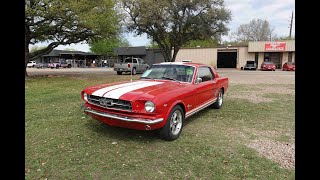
{"points": [[205, 73]]}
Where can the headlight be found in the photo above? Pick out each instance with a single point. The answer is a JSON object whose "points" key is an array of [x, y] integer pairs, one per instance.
{"points": [[85, 96], [149, 106]]}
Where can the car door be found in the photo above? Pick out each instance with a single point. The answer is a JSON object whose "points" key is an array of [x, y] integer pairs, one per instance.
{"points": [[205, 90]]}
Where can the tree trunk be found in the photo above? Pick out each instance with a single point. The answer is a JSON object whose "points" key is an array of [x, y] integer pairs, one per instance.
{"points": [[26, 57]]}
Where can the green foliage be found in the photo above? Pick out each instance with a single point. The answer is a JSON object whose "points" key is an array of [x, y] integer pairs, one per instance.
{"points": [[172, 24], [236, 43], [202, 43], [36, 48], [62, 22], [285, 38], [106, 46]]}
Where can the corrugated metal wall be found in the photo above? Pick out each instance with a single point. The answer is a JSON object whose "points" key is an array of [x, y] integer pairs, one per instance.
{"points": [[198, 55], [209, 55]]}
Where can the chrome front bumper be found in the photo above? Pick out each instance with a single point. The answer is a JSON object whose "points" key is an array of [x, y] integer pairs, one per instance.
{"points": [[122, 118]]}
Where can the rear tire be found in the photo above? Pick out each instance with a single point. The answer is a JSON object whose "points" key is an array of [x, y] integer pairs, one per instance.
{"points": [[134, 71], [173, 127], [119, 72], [219, 102], [69, 65], [57, 67]]}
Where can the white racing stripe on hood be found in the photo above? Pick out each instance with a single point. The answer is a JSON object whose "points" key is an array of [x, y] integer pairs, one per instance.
{"points": [[116, 93], [101, 91]]}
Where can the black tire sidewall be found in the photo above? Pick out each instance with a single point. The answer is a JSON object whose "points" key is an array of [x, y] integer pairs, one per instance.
{"points": [[165, 132], [216, 105]]}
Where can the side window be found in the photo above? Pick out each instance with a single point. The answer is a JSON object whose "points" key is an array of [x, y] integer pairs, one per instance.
{"points": [[205, 73]]}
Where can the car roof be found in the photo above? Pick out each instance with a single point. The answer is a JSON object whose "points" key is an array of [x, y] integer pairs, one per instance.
{"points": [[184, 63]]}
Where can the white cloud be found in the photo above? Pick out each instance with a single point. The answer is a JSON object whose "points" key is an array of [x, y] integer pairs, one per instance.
{"points": [[277, 12]]}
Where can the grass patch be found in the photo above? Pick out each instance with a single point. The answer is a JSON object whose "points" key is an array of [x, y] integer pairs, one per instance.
{"points": [[63, 143]]}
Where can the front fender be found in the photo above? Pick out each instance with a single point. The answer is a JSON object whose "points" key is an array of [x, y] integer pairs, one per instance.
{"points": [[174, 103]]}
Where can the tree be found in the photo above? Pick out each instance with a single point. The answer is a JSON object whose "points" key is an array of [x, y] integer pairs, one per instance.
{"points": [[173, 23], [62, 22], [36, 48], [211, 42], [255, 30], [285, 38], [106, 46]]}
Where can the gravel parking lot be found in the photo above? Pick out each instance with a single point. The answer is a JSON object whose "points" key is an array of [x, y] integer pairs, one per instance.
{"points": [[235, 76]]}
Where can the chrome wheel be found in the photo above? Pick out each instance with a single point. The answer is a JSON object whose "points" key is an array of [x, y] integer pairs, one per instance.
{"points": [[220, 98], [176, 122]]}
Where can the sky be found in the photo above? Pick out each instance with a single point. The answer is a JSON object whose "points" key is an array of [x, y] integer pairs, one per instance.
{"points": [[276, 12]]}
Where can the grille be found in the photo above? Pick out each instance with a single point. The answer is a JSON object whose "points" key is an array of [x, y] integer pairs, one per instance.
{"points": [[110, 103]]}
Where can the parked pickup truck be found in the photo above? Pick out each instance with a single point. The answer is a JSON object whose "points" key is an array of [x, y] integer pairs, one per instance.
{"points": [[59, 63], [138, 66]]}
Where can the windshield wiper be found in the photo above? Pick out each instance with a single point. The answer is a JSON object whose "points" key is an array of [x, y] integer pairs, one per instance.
{"points": [[163, 77], [146, 78]]}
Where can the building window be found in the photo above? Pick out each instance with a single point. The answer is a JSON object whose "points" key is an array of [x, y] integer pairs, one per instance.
{"points": [[256, 57], [266, 56], [290, 57]]}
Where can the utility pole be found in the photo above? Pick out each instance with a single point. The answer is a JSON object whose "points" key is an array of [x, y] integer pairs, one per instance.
{"points": [[291, 25]]}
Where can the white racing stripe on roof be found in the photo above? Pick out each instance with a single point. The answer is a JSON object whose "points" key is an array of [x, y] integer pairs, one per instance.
{"points": [[102, 91], [116, 93]]}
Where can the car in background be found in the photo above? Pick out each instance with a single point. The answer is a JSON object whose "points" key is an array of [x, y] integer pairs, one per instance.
{"points": [[289, 66], [250, 65], [31, 64], [131, 65], [42, 65], [60, 63], [268, 66], [165, 95]]}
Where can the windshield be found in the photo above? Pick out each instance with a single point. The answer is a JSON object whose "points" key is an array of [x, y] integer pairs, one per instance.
{"points": [[267, 62], [250, 62], [170, 72], [290, 63], [129, 60]]}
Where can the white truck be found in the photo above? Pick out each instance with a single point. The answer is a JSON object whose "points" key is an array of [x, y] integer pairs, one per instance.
{"points": [[31, 64], [136, 65]]}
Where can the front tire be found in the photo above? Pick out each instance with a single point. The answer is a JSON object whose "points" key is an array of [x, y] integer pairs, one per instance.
{"points": [[219, 102], [119, 72], [173, 127]]}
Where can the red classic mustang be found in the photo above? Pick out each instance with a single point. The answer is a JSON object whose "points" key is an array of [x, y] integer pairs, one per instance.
{"points": [[164, 96]]}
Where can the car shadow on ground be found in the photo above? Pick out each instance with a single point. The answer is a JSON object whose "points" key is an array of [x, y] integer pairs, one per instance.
{"points": [[125, 134]]}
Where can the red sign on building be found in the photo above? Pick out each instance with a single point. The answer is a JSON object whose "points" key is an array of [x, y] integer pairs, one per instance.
{"points": [[275, 46]]}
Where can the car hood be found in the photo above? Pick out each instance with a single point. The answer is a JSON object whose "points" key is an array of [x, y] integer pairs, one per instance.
{"points": [[130, 91]]}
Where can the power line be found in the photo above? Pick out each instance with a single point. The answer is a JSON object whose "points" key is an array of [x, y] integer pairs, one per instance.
{"points": [[291, 25]]}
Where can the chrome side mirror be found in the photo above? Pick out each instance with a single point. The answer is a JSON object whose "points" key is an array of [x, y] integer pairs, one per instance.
{"points": [[198, 80]]}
